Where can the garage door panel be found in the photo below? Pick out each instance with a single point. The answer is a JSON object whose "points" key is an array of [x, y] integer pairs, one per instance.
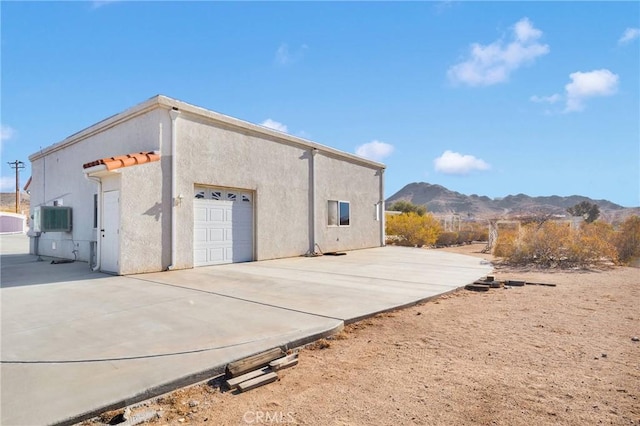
{"points": [[223, 230], [199, 214], [216, 256], [199, 235], [242, 235], [240, 254], [216, 214], [199, 256], [216, 235], [228, 254]]}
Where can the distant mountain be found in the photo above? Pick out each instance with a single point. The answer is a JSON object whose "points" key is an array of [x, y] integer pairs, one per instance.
{"points": [[440, 200]]}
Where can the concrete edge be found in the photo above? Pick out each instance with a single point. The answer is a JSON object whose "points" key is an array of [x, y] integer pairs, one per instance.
{"points": [[191, 379], [401, 306]]}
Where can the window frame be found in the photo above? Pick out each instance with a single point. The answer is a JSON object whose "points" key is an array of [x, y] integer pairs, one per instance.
{"points": [[336, 206], [95, 211]]}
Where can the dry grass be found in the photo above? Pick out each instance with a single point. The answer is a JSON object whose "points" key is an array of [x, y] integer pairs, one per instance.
{"points": [[319, 345]]}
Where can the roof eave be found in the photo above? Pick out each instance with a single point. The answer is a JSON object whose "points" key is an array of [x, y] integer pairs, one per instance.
{"points": [[169, 103], [242, 124]]}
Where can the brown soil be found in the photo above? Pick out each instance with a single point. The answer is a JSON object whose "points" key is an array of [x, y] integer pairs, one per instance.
{"points": [[529, 355]]}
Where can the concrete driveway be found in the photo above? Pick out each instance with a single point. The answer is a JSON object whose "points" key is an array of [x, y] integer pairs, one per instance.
{"points": [[75, 341]]}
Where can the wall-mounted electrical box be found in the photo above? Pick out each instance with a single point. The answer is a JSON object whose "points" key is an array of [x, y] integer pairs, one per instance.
{"points": [[52, 219]]}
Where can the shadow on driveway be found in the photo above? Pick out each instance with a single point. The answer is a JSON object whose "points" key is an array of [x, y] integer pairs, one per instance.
{"points": [[18, 268], [12, 268]]}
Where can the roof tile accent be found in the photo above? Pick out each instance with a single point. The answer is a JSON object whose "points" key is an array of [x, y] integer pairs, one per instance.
{"points": [[120, 161]]}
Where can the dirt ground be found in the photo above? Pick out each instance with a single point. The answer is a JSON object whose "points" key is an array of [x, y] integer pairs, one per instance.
{"points": [[531, 355]]}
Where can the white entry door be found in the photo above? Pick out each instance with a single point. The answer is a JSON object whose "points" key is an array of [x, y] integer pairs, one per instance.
{"points": [[223, 226], [110, 232]]}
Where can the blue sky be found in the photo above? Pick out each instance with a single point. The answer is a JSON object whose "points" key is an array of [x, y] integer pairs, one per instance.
{"points": [[488, 98]]}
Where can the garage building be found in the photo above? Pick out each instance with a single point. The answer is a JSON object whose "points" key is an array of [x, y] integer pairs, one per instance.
{"points": [[168, 185]]}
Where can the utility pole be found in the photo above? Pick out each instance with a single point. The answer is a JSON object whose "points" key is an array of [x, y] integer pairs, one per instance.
{"points": [[17, 165]]}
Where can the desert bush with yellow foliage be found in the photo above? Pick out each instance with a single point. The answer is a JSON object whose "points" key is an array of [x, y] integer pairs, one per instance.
{"points": [[557, 244], [413, 230], [627, 240]]}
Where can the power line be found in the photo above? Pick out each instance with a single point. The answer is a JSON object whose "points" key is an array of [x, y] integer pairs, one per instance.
{"points": [[17, 165]]}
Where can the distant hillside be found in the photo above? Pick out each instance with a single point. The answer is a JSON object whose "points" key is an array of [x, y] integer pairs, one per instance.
{"points": [[440, 200], [8, 202]]}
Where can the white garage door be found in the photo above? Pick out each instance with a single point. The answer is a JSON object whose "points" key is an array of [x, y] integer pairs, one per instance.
{"points": [[223, 226]]}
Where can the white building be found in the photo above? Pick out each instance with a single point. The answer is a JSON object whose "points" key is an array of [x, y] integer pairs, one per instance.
{"points": [[168, 185]]}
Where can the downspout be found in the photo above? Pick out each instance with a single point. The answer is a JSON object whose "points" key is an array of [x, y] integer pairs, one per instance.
{"points": [[382, 207], [312, 249], [173, 113], [98, 233]]}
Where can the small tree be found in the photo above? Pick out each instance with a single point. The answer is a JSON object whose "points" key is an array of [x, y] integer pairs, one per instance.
{"points": [[412, 229], [627, 239], [408, 207], [589, 211]]}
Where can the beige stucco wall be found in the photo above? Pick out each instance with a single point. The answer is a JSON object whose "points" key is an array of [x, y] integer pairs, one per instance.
{"points": [[280, 175], [57, 174], [344, 181], [277, 173], [145, 221]]}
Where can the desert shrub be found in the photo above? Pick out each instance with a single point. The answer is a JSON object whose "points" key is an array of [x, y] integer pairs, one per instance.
{"points": [[478, 231], [408, 207], [447, 239], [542, 244], [481, 234], [505, 244], [557, 244], [593, 243], [465, 237], [627, 239], [411, 229]]}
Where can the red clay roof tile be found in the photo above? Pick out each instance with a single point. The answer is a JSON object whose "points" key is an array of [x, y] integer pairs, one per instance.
{"points": [[120, 161]]}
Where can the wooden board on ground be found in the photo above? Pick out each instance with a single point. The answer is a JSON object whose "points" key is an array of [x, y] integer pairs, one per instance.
{"points": [[233, 383], [254, 362], [284, 362], [477, 287], [258, 381], [544, 284]]}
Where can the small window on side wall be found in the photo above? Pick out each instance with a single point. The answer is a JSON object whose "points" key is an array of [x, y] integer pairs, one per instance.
{"points": [[339, 213]]}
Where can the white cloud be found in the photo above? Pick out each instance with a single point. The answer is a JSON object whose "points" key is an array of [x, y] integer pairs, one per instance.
{"points": [[6, 132], [590, 84], [494, 63], [7, 184], [629, 35], [454, 163], [546, 99], [285, 57], [375, 150], [275, 125]]}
